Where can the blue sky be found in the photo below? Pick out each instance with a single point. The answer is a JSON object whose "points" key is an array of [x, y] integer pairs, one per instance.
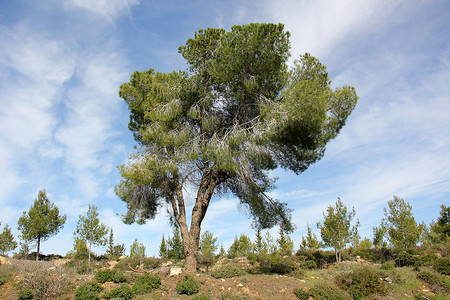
{"points": [[64, 128]]}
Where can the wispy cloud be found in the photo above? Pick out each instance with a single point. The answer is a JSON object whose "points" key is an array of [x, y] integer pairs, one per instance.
{"points": [[107, 9], [318, 27]]}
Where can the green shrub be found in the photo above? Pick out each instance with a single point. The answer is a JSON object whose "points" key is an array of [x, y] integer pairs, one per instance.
{"points": [[108, 275], [297, 273], [439, 282], [405, 259], [122, 292], [147, 263], [442, 265], [26, 294], [95, 287], [382, 255], [227, 271], [301, 294], [277, 264], [4, 278], [146, 283], [362, 282], [282, 266], [322, 290], [188, 286], [308, 264], [388, 265], [323, 258], [85, 293]]}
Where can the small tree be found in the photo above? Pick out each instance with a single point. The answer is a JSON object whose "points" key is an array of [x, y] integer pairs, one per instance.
{"points": [[285, 243], [41, 222], [163, 248], [310, 241], [241, 246], [80, 249], [336, 230], [114, 251], [221, 251], [175, 245], [24, 248], [378, 237], [91, 230], [208, 247], [258, 244], [400, 225], [364, 244], [137, 251], [439, 232], [7, 242]]}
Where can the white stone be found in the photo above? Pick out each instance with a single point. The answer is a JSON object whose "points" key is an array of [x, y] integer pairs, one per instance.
{"points": [[175, 271]]}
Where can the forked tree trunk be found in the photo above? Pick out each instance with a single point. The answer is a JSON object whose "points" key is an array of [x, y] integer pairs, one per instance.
{"points": [[190, 246], [191, 236]]}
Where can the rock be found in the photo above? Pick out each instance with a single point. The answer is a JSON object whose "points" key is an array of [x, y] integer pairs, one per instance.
{"points": [[112, 264], [60, 262], [166, 264], [175, 271], [4, 261], [239, 285], [108, 286]]}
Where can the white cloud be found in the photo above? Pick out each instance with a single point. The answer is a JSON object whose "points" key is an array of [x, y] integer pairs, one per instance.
{"points": [[108, 9], [40, 67], [319, 26]]}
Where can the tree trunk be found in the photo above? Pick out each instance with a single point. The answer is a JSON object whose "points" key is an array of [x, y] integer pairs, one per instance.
{"points": [[89, 255], [191, 236], [38, 248], [190, 246]]}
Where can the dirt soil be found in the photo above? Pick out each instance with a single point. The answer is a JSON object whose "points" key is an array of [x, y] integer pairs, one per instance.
{"points": [[244, 287]]}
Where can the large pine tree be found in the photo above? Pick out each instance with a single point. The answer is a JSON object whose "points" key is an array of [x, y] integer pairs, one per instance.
{"points": [[236, 114]]}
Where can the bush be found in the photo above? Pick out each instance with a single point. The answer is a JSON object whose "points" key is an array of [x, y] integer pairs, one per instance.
{"points": [[322, 290], [227, 271], [147, 263], [282, 265], [146, 283], [388, 265], [122, 292], [308, 264], [405, 259], [108, 275], [297, 273], [26, 294], [4, 278], [442, 265], [45, 283], [188, 286], [440, 283], [323, 258], [85, 293], [277, 264], [301, 294], [382, 255], [362, 282], [95, 287]]}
